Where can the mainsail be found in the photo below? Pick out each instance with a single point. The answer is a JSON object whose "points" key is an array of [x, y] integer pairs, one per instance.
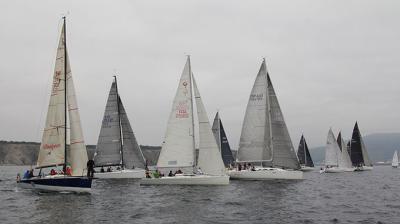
{"points": [[395, 160], [222, 141], [178, 148], [359, 154], [304, 154], [52, 147], [332, 150], [133, 155], [210, 160], [108, 150]]}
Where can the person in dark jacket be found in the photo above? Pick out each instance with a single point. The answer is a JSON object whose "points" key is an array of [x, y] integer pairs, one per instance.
{"points": [[90, 168]]}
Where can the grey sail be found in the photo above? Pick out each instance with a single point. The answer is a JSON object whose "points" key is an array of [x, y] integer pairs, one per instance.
{"points": [[255, 138], [284, 154], [108, 145], [222, 141], [133, 155], [304, 154]]}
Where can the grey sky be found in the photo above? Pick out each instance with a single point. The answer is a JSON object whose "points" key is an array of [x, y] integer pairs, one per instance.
{"points": [[331, 62]]}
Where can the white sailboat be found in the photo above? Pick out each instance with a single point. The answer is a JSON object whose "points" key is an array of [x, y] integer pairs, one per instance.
{"points": [[178, 149], [265, 142], [117, 153], [395, 160], [332, 153], [53, 149], [344, 157]]}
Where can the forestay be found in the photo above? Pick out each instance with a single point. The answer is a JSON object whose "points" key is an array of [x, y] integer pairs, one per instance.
{"points": [[210, 160], [108, 145], [178, 147]]}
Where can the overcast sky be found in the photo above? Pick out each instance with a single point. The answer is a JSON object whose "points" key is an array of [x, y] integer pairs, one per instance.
{"points": [[331, 62]]}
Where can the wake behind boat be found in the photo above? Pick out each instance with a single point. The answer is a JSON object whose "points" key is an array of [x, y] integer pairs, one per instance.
{"points": [[118, 154], [53, 151], [178, 150], [265, 145]]}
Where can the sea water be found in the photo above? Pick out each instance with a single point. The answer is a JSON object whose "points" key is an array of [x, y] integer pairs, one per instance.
{"points": [[358, 197]]}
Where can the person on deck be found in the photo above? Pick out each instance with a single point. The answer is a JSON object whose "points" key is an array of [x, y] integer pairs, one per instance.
{"points": [[170, 174], [68, 171], [199, 171], [26, 175], [102, 170], [53, 172], [90, 168], [109, 169], [31, 173]]}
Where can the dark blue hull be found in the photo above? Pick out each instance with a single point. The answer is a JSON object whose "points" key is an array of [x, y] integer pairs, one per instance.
{"points": [[58, 183]]}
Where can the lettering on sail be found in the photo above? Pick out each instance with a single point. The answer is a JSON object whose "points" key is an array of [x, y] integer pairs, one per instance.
{"points": [[51, 147], [56, 82], [107, 121], [182, 109], [256, 97]]}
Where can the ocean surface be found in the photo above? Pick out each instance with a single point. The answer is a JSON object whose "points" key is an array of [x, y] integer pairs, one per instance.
{"points": [[359, 197]]}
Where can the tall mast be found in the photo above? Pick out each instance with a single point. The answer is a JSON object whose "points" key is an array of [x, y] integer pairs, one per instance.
{"points": [[119, 123], [65, 96], [191, 105]]}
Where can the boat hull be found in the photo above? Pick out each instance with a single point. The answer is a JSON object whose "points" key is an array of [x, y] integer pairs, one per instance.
{"points": [[394, 166], [187, 180], [58, 183], [121, 174], [337, 170], [266, 174], [307, 168]]}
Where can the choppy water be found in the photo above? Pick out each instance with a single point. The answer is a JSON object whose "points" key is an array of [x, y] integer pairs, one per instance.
{"points": [[360, 197]]}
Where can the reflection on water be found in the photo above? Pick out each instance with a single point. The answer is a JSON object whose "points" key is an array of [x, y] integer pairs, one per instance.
{"points": [[361, 197]]}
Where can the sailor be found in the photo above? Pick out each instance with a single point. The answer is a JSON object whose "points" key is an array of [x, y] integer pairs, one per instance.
{"points": [[199, 171], [26, 175], [68, 171], [109, 169], [102, 170], [240, 167], [147, 174], [90, 168], [31, 173], [53, 172], [18, 177], [253, 168], [170, 174]]}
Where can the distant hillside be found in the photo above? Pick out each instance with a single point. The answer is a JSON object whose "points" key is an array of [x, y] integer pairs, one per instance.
{"points": [[380, 147]]}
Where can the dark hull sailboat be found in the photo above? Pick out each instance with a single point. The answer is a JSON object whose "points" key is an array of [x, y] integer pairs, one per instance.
{"points": [[53, 148]]}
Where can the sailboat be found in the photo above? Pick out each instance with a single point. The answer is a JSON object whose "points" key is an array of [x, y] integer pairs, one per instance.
{"points": [[395, 160], [332, 154], [358, 152], [222, 141], [178, 153], [265, 144], [344, 156], [304, 156], [53, 149], [118, 152]]}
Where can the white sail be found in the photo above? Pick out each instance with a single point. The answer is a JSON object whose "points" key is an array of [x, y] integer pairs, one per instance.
{"points": [[367, 161], [133, 155], [108, 145], [52, 146], [255, 141], [395, 160], [210, 160], [344, 158], [331, 150], [77, 156], [178, 148]]}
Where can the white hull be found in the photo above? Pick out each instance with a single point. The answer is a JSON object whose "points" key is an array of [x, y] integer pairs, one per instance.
{"points": [[187, 180], [366, 168], [121, 174], [266, 174], [337, 170], [306, 168]]}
